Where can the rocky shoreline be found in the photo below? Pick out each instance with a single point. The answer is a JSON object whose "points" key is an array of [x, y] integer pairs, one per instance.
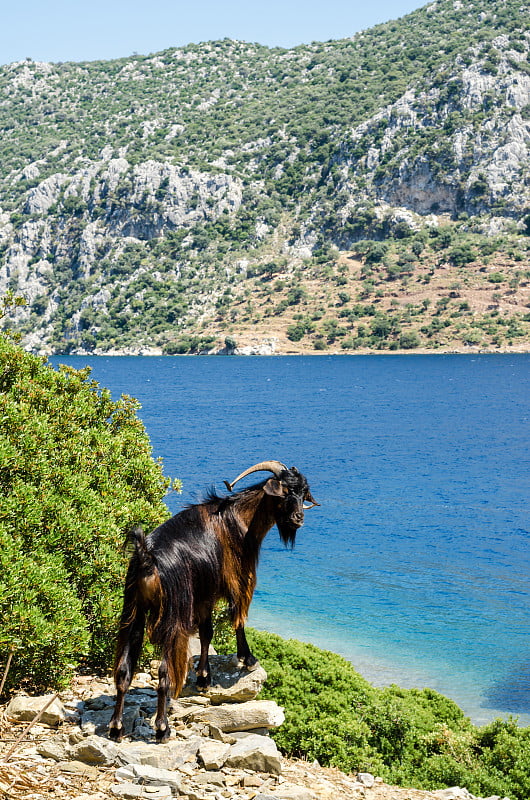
{"points": [[270, 347], [219, 749]]}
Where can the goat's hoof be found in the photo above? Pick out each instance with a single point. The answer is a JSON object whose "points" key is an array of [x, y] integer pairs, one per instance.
{"points": [[251, 663], [115, 733], [162, 734], [203, 682]]}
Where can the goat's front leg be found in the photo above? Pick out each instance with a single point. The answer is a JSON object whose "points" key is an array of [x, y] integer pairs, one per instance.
{"points": [[161, 722], [204, 677], [243, 650]]}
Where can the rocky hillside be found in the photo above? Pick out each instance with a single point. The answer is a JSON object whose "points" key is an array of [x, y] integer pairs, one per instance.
{"points": [[367, 193], [219, 749]]}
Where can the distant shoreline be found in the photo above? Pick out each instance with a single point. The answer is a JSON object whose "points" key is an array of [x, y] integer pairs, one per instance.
{"points": [[155, 353]]}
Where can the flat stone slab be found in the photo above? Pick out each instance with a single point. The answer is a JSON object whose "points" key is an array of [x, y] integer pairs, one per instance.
{"points": [[150, 776], [170, 756], [24, 709], [241, 717]]}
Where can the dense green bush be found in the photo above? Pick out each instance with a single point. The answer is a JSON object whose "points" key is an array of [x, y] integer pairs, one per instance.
{"points": [[412, 737], [76, 472]]}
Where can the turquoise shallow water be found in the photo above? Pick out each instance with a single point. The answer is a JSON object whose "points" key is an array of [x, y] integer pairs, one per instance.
{"points": [[416, 567]]}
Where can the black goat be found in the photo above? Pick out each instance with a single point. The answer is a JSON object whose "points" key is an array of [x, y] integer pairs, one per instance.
{"points": [[177, 574]]}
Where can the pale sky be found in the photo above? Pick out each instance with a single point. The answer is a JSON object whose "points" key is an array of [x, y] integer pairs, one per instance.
{"points": [[70, 30]]}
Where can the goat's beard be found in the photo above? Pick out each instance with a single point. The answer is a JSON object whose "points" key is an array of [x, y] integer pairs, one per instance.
{"points": [[288, 533]]}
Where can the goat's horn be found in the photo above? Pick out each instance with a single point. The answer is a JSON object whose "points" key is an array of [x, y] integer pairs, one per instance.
{"points": [[276, 467], [310, 499]]}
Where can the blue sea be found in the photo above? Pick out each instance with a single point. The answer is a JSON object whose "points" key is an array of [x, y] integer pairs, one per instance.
{"points": [[416, 567]]}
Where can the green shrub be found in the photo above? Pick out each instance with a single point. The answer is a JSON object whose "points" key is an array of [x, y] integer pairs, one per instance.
{"points": [[409, 340], [375, 252], [496, 277], [316, 688], [461, 254], [76, 472], [296, 332]]}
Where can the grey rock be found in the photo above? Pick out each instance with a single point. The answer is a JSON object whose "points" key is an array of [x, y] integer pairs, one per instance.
{"points": [[102, 701], [231, 682], [170, 755], [142, 730], [213, 754], [57, 748], [77, 735], [95, 750], [97, 722], [257, 753], [43, 196], [79, 768], [24, 709], [150, 776], [127, 790], [125, 773], [210, 779], [366, 779], [218, 735]]}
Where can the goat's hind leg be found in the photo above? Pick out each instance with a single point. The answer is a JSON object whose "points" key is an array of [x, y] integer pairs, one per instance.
{"points": [[161, 722], [204, 676], [128, 652], [171, 675]]}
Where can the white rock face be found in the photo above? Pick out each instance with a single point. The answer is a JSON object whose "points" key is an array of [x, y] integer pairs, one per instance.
{"points": [[260, 347], [498, 148], [43, 196]]}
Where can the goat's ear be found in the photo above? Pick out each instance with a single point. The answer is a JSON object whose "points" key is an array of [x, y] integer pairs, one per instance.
{"points": [[275, 488]]}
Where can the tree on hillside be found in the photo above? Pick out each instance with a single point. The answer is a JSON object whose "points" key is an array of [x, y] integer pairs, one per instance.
{"points": [[76, 472]]}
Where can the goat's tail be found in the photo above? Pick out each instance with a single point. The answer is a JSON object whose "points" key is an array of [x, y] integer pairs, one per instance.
{"points": [[167, 612], [138, 539], [177, 660]]}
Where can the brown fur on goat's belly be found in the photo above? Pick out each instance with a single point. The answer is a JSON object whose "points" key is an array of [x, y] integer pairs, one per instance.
{"points": [[176, 575]]}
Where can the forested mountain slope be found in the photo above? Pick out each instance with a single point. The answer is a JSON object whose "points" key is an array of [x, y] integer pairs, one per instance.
{"points": [[371, 192]]}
